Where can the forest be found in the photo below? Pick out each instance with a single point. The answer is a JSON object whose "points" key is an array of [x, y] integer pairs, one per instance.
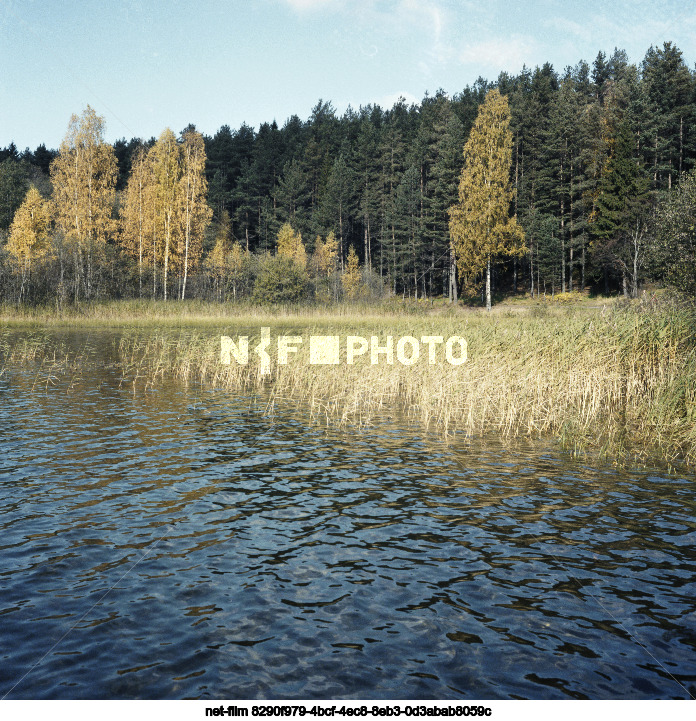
{"points": [[601, 176]]}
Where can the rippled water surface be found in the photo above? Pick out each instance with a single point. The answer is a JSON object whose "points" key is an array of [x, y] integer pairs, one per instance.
{"points": [[178, 543]]}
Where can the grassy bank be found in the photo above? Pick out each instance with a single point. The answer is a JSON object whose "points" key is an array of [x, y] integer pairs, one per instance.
{"points": [[135, 313], [620, 379], [131, 313]]}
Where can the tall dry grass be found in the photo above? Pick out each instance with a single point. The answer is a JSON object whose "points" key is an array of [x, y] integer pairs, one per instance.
{"points": [[623, 381]]}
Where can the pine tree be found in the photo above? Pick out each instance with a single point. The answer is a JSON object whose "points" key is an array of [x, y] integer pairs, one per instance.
{"points": [[670, 88], [13, 189], [246, 202], [338, 200], [392, 151], [480, 223], [368, 183], [292, 194], [408, 237], [673, 251], [622, 209], [442, 193]]}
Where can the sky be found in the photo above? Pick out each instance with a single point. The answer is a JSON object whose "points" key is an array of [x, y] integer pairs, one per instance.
{"points": [[146, 66]]}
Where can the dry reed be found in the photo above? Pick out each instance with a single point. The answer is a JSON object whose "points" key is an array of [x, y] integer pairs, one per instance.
{"points": [[623, 381]]}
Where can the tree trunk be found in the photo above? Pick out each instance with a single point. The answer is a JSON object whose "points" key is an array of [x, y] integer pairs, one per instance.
{"points": [[636, 248], [166, 255], [606, 280], [186, 247], [488, 285], [365, 256], [563, 249]]}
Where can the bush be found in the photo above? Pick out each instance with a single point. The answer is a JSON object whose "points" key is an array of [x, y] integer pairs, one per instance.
{"points": [[281, 280]]}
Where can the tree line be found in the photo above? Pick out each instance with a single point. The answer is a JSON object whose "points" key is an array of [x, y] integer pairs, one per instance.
{"points": [[601, 190]]}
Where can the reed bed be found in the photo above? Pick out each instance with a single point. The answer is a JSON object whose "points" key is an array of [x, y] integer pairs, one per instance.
{"points": [[623, 381], [44, 357]]}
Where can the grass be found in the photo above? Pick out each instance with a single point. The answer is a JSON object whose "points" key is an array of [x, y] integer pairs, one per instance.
{"points": [[157, 313], [149, 313], [619, 378]]}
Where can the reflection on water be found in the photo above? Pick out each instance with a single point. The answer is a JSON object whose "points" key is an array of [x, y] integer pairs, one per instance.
{"points": [[177, 543]]}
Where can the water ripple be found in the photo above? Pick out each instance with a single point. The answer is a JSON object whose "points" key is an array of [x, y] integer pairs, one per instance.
{"points": [[197, 548]]}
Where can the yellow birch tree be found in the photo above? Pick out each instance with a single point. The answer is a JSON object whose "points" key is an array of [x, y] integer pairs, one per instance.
{"points": [[29, 240], [195, 212], [480, 224], [217, 260], [351, 275], [135, 219], [326, 254], [165, 158], [83, 175], [290, 245]]}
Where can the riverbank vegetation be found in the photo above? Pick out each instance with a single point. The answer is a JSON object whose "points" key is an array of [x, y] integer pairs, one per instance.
{"points": [[620, 379], [530, 195]]}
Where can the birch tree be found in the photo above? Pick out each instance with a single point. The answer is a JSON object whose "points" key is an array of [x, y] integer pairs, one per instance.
{"points": [[480, 224], [165, 156], [135, 219], [195, 212], [84, 186], [29, 240]]}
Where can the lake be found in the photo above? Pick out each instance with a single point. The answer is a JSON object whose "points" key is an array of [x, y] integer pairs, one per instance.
{"points": [[179, 542]]}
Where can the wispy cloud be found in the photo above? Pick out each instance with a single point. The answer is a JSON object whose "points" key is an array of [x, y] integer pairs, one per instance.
{"points": [[498, 54], [302, 5], [388, 101], [651, 23], [425, 15]]}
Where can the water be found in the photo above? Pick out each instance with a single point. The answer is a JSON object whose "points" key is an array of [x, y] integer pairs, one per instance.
{"points": [[177, 543]]}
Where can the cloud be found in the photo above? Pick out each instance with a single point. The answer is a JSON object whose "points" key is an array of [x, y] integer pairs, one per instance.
{"points": [[500, 53], [586, 32], [302, 5], [387, 102], [427, 15]]}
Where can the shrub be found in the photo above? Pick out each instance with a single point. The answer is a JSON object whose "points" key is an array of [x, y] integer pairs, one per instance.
{"points": [[281, 280]]}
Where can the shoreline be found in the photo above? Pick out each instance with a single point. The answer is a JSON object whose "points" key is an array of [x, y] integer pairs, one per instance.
{"points": [[620, 380]]}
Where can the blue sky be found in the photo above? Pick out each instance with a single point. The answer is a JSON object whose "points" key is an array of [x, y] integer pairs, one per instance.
{"points": [[166, 63]]}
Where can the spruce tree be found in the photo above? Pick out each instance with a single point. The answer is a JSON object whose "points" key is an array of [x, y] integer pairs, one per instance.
{"points": [[622, 208]]}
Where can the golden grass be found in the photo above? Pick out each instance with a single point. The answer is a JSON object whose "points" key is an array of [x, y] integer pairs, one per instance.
{"points": [[136, 313], [148, 313], [621, 380], [624, 381]]}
